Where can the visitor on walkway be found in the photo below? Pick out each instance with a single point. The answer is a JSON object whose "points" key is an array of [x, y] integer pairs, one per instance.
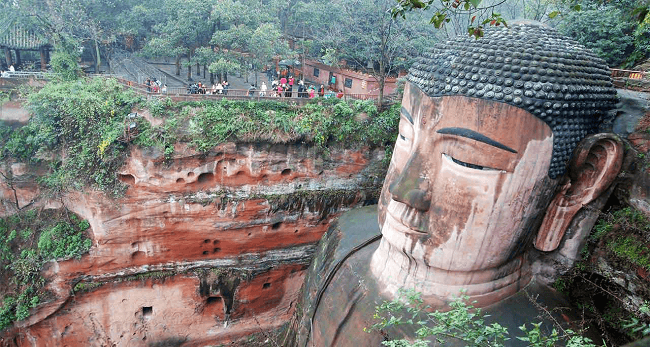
{"points": [[321, 91], [251, 90], [263, 89], [301, 89]]}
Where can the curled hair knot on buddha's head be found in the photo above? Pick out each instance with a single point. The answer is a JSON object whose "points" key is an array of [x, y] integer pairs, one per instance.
{"points": [[532, 67]]}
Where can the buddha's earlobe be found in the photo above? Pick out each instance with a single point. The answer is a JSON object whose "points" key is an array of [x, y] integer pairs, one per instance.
{"points": [[595, 164]]}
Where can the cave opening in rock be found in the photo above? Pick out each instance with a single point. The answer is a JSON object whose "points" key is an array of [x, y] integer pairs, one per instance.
{"points": [[213, 300], [127, 178], [266, 285], [205, 177], [147, 311]]}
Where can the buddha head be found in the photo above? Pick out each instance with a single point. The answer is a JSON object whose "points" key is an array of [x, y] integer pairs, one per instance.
{"points": [[498, 149]]}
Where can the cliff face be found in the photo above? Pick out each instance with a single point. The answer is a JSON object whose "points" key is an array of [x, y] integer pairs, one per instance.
{"points": [[201, 249]]}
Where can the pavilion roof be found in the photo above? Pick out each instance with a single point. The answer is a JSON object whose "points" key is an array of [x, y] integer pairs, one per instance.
{"points": [[15, 37]]}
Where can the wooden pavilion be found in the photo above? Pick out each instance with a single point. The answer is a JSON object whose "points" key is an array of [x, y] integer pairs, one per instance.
{"points": [[15, 38]]}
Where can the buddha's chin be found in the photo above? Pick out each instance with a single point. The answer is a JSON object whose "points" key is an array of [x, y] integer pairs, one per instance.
{"points": [[403, 239]]}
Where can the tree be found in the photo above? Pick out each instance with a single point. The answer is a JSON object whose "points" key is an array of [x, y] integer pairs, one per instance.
{"points": [[601, 29], [364, 33], [247, 31], [187, 26]]}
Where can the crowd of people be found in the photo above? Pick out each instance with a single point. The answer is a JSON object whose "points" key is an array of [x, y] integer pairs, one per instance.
{"points": [[284, 87], [216, 89], [154, 85]]}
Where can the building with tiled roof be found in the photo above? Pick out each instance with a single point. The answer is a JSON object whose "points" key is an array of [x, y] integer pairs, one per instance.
{"points": [[15, 38]]}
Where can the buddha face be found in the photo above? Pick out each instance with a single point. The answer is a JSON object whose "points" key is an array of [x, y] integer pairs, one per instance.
{"points": [[468, 182]]}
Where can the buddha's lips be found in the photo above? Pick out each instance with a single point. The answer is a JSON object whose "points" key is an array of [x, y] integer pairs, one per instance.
{"points": [[405, 218]]}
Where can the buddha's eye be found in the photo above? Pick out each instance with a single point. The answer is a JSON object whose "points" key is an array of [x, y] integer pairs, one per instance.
{"points": [[405, 131], [470, 165]]}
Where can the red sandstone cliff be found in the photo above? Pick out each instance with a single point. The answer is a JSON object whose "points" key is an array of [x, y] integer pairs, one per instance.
{"points": [[201, 249]]}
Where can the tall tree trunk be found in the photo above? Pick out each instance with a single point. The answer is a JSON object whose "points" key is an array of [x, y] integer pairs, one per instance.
{"points": [[18, 60], [382, 81], [198, 70], [189, 65], [211, 78], [205, 69], [98, 58], [178, 65], [8, 57], [43, 58]]}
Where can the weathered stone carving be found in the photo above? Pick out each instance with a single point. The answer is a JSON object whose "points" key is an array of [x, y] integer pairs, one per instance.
{"points": [[486, 131]]}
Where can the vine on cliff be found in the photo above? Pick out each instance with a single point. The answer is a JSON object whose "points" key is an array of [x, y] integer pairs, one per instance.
{"points": [[76, 128], [28, 240]]}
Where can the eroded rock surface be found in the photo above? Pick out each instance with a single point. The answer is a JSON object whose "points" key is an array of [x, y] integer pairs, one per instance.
{"points": [[201, 249]]}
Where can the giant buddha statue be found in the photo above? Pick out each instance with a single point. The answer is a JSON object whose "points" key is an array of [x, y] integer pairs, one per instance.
{"points": [[499, 148]]}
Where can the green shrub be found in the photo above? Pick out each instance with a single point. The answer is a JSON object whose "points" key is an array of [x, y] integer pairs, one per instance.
{"points": [[79, 125], [603, 29], [62, 241], [42, 237], [631, 249], [462, 322]]}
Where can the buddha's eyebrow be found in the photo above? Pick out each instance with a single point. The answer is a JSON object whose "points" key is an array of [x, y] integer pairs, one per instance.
{"points": [[471, 134], [406, 114]]}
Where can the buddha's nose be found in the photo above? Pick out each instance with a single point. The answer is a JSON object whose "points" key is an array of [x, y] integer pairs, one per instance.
{"points": [[410, 187]]}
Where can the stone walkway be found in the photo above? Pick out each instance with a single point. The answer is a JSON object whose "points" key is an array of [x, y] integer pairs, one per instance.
{"points": [[137, 69]]}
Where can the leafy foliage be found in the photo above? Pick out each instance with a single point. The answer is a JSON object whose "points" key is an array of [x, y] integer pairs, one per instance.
{"points": [[334, 121], [602, 29], [27, 241], [77, 125], [65, 64], [463, 322], [445, 9]]}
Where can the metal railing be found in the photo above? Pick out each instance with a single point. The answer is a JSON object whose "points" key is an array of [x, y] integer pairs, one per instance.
{"points": [[630, 79], [184, 94], [631, 74], [28, 75]]}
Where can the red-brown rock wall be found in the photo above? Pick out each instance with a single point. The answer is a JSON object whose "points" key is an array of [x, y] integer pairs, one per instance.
{"points": [[253, 208]]}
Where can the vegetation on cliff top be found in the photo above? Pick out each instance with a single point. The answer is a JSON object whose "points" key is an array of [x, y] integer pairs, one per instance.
{"points": [[78, 129], [28, 240]]}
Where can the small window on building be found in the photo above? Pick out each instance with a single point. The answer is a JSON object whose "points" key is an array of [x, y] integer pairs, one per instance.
{"points": [[316, 72], [348, 83]]}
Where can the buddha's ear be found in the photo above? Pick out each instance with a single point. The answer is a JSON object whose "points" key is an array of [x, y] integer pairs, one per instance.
{"points": [[595, 164]]}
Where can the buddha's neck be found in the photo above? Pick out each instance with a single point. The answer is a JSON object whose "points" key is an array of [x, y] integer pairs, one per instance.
{"points": [[394, 270]]}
